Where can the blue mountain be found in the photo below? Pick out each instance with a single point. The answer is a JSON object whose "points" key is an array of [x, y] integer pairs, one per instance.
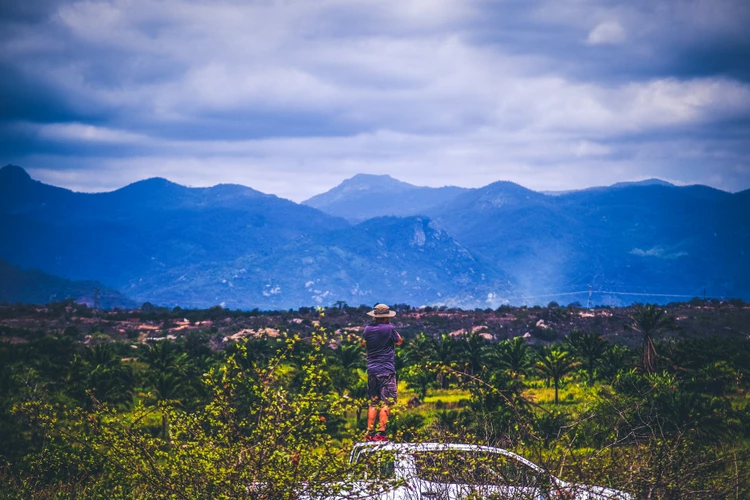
{"points": [[31, 286], [366, 196], [388, 259], [639, 242], [633, 241], [197, 247]]}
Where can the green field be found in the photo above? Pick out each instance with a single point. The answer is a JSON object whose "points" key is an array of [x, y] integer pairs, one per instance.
{"points": [[101, 416]]}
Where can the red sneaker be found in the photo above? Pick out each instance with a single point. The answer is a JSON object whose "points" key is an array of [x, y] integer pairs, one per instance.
{"points": [[380, 436]]}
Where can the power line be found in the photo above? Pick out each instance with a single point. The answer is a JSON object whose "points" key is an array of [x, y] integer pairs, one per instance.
{"points": [[648, 294], [600, 292], [549, 295]]}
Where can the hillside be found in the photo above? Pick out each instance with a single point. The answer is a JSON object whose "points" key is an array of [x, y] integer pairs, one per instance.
{"points": [[501, 244], [675, 242], [197, 247], [632, 241], [30, 286], [385, 259]]}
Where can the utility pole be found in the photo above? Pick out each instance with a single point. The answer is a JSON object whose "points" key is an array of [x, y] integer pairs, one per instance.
{"points": [[97, 304], [588, 302]]}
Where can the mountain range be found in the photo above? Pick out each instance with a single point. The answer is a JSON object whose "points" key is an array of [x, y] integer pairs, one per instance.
{"points": [[376, 239], [31, 286], [367, 196]]}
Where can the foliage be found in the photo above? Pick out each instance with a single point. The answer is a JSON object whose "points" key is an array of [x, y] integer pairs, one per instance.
{"points": [[649, 320], [555, 365], [253, 435], [269, 417], [420, 378], [589, 347], [512, 356]]}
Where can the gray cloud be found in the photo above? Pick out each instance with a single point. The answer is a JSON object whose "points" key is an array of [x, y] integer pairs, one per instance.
{"points": [[293, 98]]}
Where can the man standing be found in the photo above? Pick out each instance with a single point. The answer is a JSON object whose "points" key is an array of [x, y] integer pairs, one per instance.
{"points": [[380, 340]]}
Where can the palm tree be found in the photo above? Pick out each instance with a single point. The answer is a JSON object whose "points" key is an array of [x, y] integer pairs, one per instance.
{"points": [[420, 379], [615, 358], [649, 320], [100, 371], [109, 378], [473, 352], [446, 352], [351, 356], [422, 348], [511, 356], [541, 352], [167, 374], [164, 357], [555, 366], [588, 346], [344, 365], [167, 386]]}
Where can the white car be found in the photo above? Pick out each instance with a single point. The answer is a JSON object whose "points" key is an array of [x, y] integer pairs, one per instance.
{"points": [[427, 471]]}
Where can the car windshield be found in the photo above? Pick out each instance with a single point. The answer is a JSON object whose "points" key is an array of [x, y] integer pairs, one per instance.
{"points": [[475, 468]]}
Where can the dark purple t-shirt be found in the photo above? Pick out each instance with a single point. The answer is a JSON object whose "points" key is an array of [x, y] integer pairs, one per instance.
{"points": [[380, 341]]}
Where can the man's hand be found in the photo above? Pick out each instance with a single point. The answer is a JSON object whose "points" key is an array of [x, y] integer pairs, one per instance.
{"points": [[400, 340]]}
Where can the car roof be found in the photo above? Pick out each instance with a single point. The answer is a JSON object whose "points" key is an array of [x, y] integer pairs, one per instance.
{"points": [[427, 447]]}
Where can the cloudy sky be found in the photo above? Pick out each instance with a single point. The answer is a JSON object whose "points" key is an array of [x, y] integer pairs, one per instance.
{"points": [[291, 97]]}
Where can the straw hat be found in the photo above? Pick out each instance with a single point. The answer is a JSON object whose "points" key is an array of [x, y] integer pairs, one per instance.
{"points": [[382, 311]]}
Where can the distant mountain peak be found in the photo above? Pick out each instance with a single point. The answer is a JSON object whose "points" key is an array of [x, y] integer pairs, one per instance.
{"points": [[646, 182], [375, 182], [153, 184], [365, 196], [153, 181], [368, 177], [10, 173], [506, 185], [232, 190], [504, 191], [364, 183]]}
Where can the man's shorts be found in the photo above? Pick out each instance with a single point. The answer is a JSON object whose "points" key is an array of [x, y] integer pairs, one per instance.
{"points": [[382, 387]]}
